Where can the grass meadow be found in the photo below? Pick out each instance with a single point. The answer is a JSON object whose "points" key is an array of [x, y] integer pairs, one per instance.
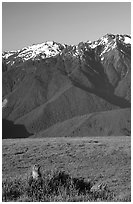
{"points": [[72, 169]]}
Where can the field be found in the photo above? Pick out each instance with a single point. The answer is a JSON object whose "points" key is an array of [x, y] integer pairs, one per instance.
{"points": [[99, 159]]}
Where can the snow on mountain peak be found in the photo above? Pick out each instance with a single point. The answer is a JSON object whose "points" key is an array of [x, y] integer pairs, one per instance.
{"points": [[36, 51], [127, 40], [109, 42], [47, 49], [108, 38], [50, 49]]}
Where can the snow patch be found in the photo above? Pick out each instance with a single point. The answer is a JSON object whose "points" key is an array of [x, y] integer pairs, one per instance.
{"points": [[109, 46], [8, 54], [127, 40], [35, 51], [104, 40], [12, 63], [92, 44], [46, 50], [4, 103]]}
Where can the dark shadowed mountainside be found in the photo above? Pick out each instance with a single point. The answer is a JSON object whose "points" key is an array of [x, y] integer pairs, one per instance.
{"points": [[12, 131]]}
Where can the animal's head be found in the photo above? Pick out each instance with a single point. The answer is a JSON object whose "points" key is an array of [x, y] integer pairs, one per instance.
{"points": [[36, 168]]}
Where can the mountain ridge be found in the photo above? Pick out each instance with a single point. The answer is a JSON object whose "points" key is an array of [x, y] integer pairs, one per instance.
{"points": [[50, 83], [42, 48]]}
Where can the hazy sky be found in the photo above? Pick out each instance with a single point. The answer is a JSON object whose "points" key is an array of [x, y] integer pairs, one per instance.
{"points": [[26, 23]]}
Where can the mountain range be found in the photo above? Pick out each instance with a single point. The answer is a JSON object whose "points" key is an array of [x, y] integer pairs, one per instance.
{"points": [[54, 90]]}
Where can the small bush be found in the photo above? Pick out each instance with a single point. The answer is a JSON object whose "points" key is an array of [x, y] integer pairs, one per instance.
{"points": [[58, 186]]}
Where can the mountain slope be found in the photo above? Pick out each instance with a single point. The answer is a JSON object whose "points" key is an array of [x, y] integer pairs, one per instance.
{"points": [[49, 83], [100, 123]]}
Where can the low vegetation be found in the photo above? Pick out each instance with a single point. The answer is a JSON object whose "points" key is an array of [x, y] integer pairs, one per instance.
{"points": [[55, 186], [71, 168]]}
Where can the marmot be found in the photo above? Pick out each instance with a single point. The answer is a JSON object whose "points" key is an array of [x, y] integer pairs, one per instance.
{"points": [[36, 174], [35, 181]]}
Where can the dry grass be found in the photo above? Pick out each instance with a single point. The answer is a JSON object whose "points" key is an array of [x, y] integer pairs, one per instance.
{"points": [[99, 159], [59, 186]]}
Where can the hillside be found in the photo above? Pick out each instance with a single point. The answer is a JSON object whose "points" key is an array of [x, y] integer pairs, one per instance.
{"points": [[100, 123], [52, 88]]}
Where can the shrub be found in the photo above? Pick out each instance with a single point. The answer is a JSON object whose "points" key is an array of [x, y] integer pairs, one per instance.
{"points": [[56, 186]]}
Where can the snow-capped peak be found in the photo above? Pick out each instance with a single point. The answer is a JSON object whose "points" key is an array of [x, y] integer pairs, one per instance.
{"points": [[47, 49], [33, 52], [126, 39], [50, 49], [109, 42]]}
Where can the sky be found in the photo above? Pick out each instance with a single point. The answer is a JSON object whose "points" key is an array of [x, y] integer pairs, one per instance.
{"points": [[27, 23]]}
